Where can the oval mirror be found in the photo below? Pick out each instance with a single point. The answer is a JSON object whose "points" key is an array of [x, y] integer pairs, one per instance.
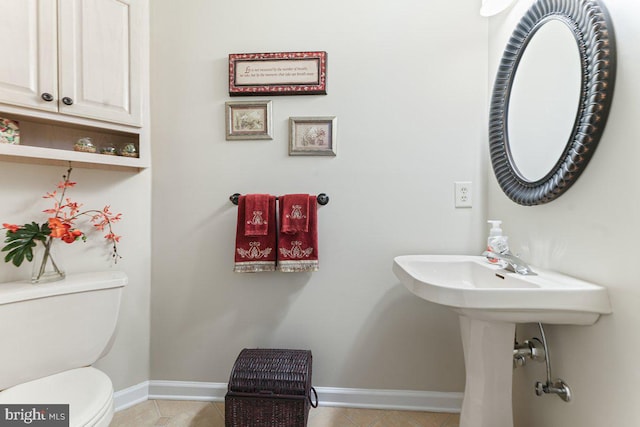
{"points": [[551, 98], [548, 74]]}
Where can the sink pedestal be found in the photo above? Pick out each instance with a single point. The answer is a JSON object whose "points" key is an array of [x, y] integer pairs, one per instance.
{"points": [[488, 360], [490, 301]]}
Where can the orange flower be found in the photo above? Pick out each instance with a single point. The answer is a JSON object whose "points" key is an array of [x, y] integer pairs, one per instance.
{"points": [[11, 227], [54, 210], [73, 207], [72, 236], [113, 237], [65, 184], [60, 230]]}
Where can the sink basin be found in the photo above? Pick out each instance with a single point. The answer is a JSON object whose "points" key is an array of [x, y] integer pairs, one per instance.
{"points": [[475, 288], [490, 301]]}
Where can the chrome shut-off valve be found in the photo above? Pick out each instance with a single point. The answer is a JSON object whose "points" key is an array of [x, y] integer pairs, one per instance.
{"points": [[530, 349], [558, 387]]}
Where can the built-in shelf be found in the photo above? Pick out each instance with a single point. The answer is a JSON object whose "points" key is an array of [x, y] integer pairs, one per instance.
{"points": [[47, 141]]}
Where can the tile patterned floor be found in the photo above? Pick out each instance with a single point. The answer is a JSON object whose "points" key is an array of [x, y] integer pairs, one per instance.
{"points": [[176, 413]]}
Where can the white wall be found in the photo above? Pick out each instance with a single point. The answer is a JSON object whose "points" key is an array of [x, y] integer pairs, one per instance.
{"points": [[407, 81], [590, 232], [23, 186]]}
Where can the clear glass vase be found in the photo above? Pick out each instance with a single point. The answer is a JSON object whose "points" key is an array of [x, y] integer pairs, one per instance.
{"points": [[45, 268]]}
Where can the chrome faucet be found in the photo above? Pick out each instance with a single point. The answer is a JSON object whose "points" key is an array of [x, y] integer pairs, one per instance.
{"points": [[514, 263]]}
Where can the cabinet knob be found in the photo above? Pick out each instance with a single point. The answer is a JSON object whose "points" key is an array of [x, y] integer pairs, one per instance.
{"points": [[47, 97], [67, 101]]}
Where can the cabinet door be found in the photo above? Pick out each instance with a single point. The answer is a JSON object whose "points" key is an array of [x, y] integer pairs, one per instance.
{"points": [[28, 68], [100, 59]]}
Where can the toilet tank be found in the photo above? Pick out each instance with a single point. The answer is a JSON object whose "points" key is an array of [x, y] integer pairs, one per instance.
{"points": [[53, 327]]}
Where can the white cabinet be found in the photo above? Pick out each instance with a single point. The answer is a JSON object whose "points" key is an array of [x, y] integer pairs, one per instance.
{"points": [[28, 70], [75, 57], [99, 59], [75, 68]]}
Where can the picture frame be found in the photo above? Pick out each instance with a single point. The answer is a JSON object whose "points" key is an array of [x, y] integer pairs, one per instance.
{"points": [[278, 73], [313, 136], [248, 120]]}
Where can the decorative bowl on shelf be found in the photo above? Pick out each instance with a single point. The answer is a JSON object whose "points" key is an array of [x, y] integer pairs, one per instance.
{"points": [[9, 131], [109, 150], [85, 145], [129, 150]]}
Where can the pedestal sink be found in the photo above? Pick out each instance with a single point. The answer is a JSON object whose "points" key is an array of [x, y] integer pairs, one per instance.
{"points": [[490, 301]]}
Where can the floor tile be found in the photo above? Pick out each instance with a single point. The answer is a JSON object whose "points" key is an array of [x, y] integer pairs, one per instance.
{"points": [[427, 419], [452, 421], [220, 407], [172, 408], [162, 421], [141, 415], [329, 417], [206, 417], [179, 413], [364, 417]]}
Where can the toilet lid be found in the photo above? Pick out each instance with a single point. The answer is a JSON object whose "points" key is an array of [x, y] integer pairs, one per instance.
{"points": [[88, 392]]}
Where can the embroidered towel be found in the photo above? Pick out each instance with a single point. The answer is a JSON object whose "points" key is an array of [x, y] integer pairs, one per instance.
{"points": [[256, 207], [298, 251], [295, 217], [255, 253]]}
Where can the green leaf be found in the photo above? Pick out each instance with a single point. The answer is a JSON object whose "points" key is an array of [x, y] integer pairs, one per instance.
{"points": [[17, 259], [22, 241], [12, 245]]}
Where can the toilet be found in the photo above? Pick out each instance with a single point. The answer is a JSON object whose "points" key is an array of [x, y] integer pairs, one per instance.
{"points": [[51, 335]]}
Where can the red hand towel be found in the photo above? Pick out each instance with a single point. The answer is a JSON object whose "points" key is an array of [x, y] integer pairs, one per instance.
{"points": [[299, 251], [255, 253], [255, 214], [294, 213]]}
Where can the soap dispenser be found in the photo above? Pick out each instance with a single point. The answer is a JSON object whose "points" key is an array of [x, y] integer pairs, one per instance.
{"points": [[496, 242]]}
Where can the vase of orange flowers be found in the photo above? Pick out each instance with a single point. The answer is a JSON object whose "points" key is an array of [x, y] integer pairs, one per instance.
{"points": [[36, 242]]}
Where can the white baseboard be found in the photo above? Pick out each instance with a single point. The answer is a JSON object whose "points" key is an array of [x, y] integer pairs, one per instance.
{"points": [[123, 399], [328, 396], [408, 400], [187, 390]]}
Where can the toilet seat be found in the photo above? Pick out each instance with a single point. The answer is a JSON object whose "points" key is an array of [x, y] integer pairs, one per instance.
{"points": [[88, 392]]}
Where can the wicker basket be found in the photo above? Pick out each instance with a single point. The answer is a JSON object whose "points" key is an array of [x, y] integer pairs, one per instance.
{"points": [[270, 388]]}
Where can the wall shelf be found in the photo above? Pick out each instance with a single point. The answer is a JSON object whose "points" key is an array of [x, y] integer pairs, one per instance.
{"points": [[44, 141], [52, 156]]}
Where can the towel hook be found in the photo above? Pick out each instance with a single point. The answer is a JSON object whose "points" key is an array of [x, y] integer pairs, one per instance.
{"points": [[322, 198]]}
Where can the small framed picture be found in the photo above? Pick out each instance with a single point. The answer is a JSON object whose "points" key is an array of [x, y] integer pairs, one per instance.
{"points": [[312, 136], [248, 120]]}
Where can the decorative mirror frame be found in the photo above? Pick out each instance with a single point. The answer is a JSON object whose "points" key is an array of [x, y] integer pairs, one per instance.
{"points": [[593, 30]]}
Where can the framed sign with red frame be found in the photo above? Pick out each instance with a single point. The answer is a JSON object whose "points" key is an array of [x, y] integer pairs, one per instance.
{"points": [[279, 73]]}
